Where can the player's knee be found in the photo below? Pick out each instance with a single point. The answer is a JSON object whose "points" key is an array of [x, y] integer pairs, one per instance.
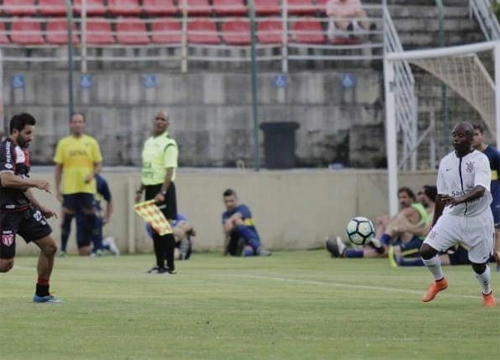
{"points": [[6, 265], [427, 252], [479, 268]]}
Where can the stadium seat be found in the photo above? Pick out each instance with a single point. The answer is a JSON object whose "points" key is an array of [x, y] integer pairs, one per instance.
{"points": [[94, 7], [301, 7], [270, 31], [132, 32], [308, 31], [321, 5], [267, 7], [52, 7], [124, 7], [159, 7], [197, 7], [236, 32], [3, 35], [27, 31], [202, 31], [166, 31], [57, 32], [19, 7], [99, 32], [229, 7]]}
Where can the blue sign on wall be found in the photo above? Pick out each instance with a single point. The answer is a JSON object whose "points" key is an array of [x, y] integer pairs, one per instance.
{"points": [[280, 81], [348, 80], [85, 81], [17, 81], [149, 81]]}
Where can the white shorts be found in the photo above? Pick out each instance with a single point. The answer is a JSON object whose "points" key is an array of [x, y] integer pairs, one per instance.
{"points": [[477, 233]]}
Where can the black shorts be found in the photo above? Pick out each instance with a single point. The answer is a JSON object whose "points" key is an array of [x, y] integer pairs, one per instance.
{"points": [[30, 224], [169, 206], [78, 201]]}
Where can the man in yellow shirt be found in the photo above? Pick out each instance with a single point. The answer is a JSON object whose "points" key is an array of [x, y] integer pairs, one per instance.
{"points": [[159, 164], [78, 159]]}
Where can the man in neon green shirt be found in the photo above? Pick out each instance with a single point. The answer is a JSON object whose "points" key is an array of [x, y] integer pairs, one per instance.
{"points": [[159, 164], [78, 159]]}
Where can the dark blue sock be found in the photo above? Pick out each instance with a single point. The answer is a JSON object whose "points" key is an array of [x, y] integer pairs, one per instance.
{"points": [[353, 253], [385, 239], [94, 230], [66, 230], [410, 262]]}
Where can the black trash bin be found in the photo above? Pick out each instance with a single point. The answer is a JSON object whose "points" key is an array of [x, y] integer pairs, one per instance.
{"points": [[279, 144]]}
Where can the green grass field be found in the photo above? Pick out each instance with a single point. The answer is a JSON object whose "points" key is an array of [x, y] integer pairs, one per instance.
{"points": [[292, 305]]}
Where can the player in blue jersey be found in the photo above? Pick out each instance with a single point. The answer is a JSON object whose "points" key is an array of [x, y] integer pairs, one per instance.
{"points": [[494, 158], [183, 233], [83, 240], [240, 235]]}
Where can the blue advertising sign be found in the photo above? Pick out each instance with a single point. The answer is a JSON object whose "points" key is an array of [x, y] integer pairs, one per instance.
{"points": [[85, 81], [17, 81], [280, 81], [149, 81], [348, 80]]}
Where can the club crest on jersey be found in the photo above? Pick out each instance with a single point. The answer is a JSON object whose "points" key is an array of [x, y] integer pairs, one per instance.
{"points": [[469, 166], [7, 239]]}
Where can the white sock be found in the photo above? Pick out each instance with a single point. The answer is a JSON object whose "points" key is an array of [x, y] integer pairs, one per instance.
{"points": [[485, 280], [434, 266]]}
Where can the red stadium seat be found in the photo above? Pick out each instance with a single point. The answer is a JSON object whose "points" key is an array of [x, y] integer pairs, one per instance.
{"points": [[132, 32], [57, 32], [236, 32], [166, 31], [229, 7], [197, 7], [19, 7], [308, 31], [52, 7], [99, 32], [124, 7], [159, 7], [267, 7], [94, 7], [3, 36], [301, 7], [270, 31], [202, 31], [26, 31]]}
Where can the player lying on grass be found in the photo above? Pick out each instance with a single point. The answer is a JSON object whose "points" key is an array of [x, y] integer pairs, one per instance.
{"points": [[388, 230]]}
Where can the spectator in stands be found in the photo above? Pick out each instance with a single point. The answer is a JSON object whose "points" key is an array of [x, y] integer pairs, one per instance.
{"points": [[346, 16], [240, 234], [387, 231], [82, 237], [183, 232], [78, 159], [494, 158]]}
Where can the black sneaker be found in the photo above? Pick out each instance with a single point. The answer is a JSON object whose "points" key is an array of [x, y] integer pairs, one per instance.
{"points": [[154, 269]]}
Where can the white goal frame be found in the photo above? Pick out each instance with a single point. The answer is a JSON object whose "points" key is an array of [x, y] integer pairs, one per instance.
{"points": [[391, 60]]}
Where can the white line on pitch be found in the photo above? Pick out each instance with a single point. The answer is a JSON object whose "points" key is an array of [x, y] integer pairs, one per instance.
{"points": [[352, 286]]}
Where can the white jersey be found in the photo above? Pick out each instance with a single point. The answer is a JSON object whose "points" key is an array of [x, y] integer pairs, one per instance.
{"points": [[458, 176]]}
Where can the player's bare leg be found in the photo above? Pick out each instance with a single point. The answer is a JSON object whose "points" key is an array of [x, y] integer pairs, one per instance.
{"points": [[48, 249], [6, 265]]}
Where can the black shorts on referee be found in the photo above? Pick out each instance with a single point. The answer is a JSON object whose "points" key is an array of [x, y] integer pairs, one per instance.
{"points": [[169, 206]]}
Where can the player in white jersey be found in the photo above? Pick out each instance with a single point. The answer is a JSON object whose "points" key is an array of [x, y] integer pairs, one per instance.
{"points": [[462, 213]]}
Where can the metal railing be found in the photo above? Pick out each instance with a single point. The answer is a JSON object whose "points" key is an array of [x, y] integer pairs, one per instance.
{"points": [[488, 22]]}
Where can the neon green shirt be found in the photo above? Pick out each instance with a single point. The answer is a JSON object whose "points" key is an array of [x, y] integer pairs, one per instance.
{"points": [[78, 156], [158, 154]]}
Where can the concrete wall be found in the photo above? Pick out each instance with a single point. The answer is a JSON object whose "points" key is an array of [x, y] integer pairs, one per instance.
{"points": [[293, 209], [212, 114]]}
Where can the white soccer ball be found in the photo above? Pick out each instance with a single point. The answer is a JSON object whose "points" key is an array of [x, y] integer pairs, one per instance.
{"points": [[360, 230]]}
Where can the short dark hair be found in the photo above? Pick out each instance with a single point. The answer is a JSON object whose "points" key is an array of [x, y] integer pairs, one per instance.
{"points": [[478, 128], [408, 191], [77, 113], [431, 192], [19, 121], [229, 192]]}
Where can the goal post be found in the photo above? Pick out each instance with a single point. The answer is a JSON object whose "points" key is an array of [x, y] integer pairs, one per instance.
{"points": [[471, 72]]}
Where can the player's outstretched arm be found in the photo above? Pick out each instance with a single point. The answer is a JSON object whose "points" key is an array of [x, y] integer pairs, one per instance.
{"points": [[45, 211], [10, 180]]}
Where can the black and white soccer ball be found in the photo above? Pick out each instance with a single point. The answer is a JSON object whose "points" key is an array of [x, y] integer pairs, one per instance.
{"points": [[360, 230]]}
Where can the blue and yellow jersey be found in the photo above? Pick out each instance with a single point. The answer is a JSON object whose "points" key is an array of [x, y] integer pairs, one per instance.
{"points": [[494, 158], [78, 156], [246, 215]]}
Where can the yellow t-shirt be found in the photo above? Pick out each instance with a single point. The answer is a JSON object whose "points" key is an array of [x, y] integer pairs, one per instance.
{"points": [[158, 154], [78, 156]]}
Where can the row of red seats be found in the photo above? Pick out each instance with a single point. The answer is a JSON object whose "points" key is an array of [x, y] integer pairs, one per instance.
{"points": [[159, 7], [233, 31]]}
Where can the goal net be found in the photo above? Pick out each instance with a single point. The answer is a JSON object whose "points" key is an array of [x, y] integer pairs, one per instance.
{"points": [[427, 93]]}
